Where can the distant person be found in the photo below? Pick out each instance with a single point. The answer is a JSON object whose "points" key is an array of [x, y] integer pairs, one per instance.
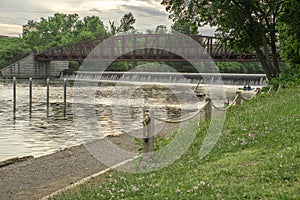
{"points": [[249, 87], [246, 88]]}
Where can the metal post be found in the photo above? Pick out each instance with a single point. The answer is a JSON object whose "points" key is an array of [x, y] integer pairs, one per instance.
{"points": [[208, 109], [30, 97], [65, 98], [47, 97], [14, 97], [239, 98]]}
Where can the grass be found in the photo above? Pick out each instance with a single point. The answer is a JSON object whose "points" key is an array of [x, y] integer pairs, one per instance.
{"points": [[256, 157]]}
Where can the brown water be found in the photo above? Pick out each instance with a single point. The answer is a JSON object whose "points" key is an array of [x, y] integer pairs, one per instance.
{"points": [[39, 135]]}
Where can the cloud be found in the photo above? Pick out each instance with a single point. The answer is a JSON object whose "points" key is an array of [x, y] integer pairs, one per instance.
{"points": [[10, 29], [148, 13], [144, 11]]}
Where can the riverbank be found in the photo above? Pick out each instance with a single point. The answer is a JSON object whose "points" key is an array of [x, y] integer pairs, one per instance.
{"points": [[256, 157], [35, 178], [39, 177]]}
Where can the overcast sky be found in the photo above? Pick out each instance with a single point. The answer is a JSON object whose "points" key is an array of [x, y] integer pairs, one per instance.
{"points": [[148, 13]]}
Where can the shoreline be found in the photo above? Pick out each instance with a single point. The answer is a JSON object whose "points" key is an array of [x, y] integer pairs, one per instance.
{"points": [[39, 177], [42, 176]]}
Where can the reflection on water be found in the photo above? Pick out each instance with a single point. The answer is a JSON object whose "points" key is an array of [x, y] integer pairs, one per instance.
{"points": [[117, 112]]}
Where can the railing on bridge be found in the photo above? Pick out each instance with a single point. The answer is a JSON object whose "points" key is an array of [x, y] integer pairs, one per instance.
{"points": [[149, 47]]}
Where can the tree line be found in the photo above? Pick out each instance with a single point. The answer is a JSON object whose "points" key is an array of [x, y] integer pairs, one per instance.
{"points": [[56, 30], [244, 25], [248, 25], [62, 29]]}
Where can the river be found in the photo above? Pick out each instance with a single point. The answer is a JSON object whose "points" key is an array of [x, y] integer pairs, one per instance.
{"points": [[41, 134]]}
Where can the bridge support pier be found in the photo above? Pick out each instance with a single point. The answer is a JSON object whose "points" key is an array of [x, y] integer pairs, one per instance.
{"points": [[29, 68]]}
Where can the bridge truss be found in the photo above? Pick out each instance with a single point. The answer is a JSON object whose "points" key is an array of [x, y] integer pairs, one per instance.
{"points": [[149, 47]]}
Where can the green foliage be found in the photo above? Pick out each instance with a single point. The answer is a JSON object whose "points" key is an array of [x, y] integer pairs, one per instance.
{"points": [[159, 142], [74, 65], [241, 68], [62, 29], [289, 32], [162, 141], [120, 66], [256, 157], [231, 67], [58, 30], [289, 77], [11, 50], [243, 25], [184, 26], [161, 29], [126, 24]]}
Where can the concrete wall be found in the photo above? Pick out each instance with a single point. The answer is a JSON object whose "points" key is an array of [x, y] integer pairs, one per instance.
{"points": [[27, 68]]}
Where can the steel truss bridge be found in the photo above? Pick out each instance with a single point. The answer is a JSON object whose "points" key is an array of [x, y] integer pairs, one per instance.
{"points": [[149, 47]]}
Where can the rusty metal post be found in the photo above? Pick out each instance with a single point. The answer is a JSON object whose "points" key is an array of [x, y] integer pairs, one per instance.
{"points": [[47, 97], [65, 98], [30, 97], [208, 109], [14, 97]]}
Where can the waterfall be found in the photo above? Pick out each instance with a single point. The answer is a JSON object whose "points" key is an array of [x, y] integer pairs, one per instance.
{"points": [[169, 77]]}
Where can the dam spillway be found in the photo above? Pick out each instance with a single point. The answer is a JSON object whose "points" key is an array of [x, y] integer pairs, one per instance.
{"points": [[169, 77]]}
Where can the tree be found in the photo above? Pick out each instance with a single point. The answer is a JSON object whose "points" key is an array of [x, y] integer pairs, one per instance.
{"points": [[161, 29], [94, 25], [50, 32], [185, 26], [289, 29], [11, 50], [62, 29], [126, 24], [245, 25], [289, 37]]}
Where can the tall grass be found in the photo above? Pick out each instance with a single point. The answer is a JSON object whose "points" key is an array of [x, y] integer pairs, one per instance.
{"points": [[256, 157]]}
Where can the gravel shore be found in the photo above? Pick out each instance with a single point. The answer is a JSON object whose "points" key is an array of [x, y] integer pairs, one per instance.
{"points": [[39, 177], [36, 178]]}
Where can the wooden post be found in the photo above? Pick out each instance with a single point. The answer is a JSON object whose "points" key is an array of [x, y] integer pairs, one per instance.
{"points": [[30, 97], [14, 97], [151, 135], [239, 98], [148, 131], [47, 97], [208, 109], [258, 91], [65, 98], [271, 89]]}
